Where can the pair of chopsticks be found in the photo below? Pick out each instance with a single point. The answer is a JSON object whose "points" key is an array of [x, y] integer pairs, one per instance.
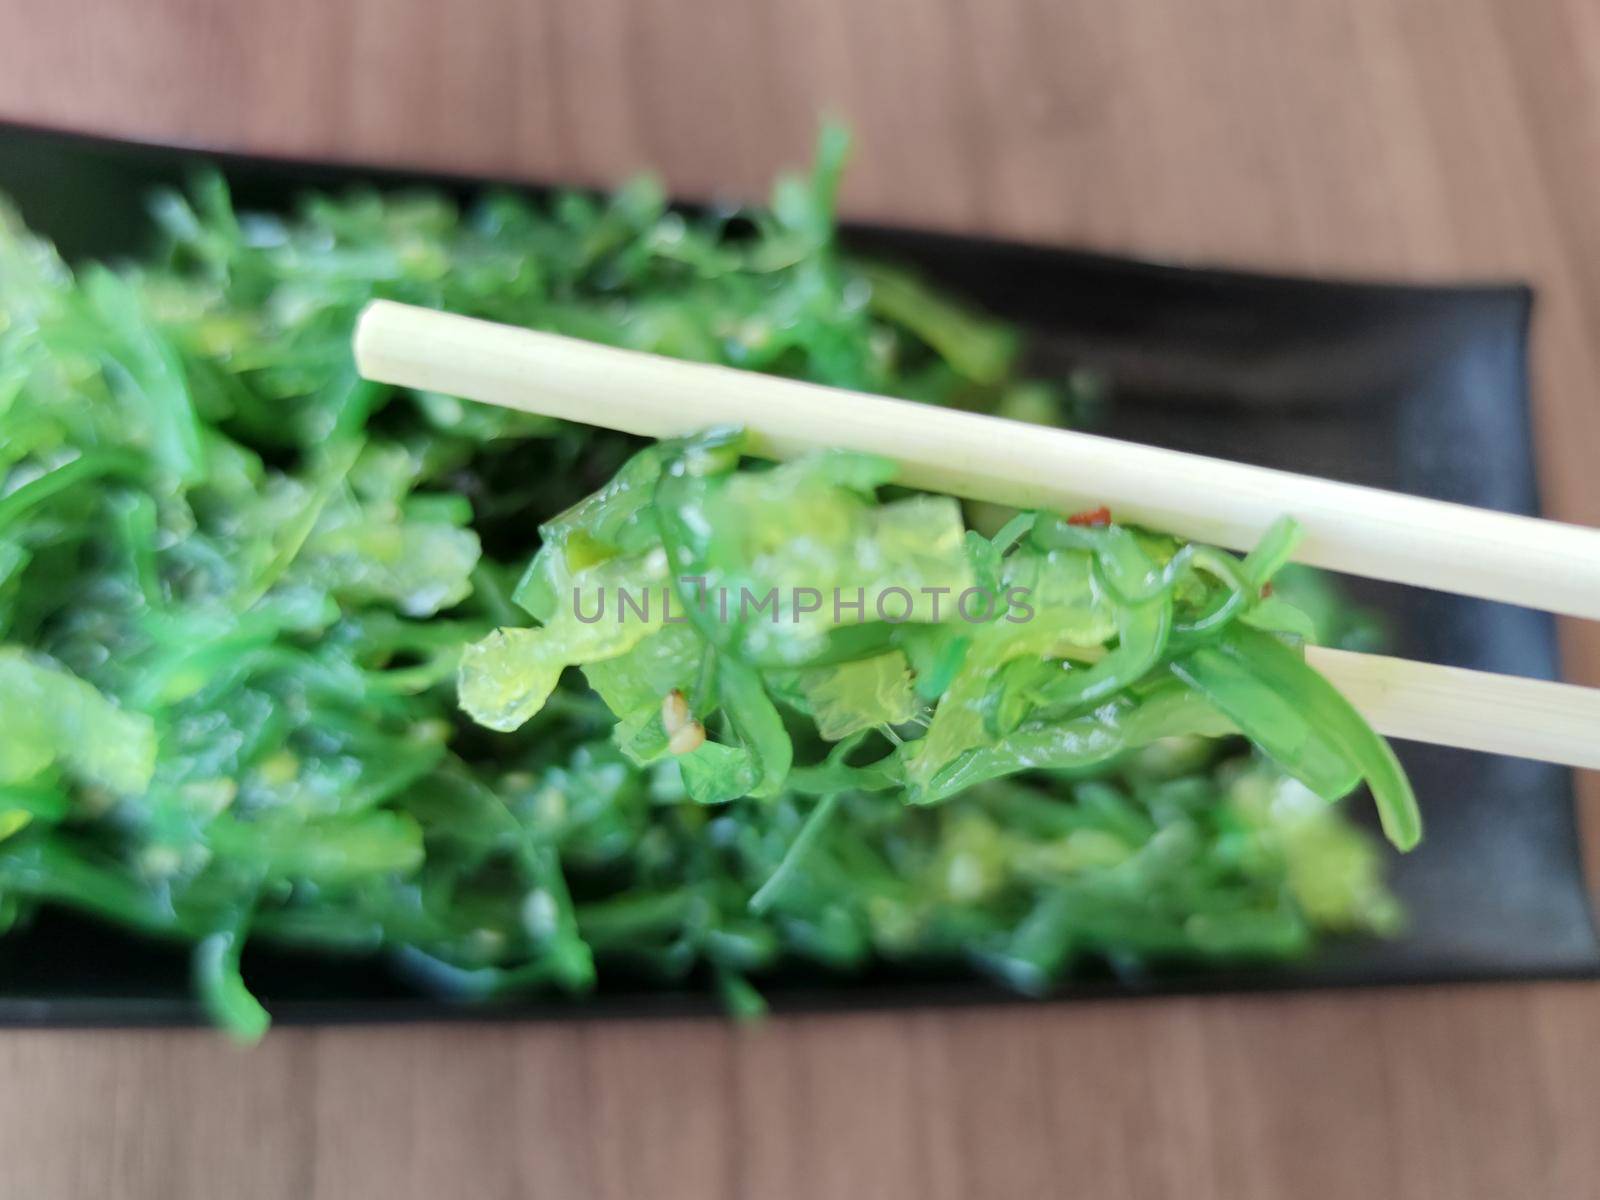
{"points": [[1358, 530]]}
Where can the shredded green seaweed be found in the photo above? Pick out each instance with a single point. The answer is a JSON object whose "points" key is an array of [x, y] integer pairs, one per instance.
{"points": [[1060, 646], [237, 585]]}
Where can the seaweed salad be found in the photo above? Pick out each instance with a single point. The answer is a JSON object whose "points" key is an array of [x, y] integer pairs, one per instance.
{"points": [[238, 586]]}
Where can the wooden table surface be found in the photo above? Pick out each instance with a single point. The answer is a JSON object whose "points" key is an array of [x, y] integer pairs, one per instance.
{"points": [[1432, 139]]}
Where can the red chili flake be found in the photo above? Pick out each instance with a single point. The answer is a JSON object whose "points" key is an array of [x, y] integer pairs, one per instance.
{"points": [[1266, 590], [1095, 517]]}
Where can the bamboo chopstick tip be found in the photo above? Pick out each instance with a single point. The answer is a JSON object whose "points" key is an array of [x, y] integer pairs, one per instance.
{"points": [[370, 323]]}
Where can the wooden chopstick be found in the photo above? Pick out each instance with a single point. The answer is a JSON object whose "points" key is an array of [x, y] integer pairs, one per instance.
{"points": [[1471, 710], [1362, 531], [1359, 530]]}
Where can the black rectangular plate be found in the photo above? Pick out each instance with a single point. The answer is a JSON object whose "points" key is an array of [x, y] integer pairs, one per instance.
{"points": [[1418, 389]]}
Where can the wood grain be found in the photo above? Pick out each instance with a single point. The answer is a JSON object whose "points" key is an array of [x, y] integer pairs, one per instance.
{"points": [[1431, 139]]}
